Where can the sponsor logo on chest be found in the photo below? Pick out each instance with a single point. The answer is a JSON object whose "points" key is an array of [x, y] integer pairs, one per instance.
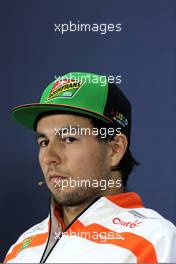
{"points": [[130, 224]]}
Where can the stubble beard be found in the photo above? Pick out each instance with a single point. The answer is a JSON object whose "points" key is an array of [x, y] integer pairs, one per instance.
{"points": [[79, 195]]}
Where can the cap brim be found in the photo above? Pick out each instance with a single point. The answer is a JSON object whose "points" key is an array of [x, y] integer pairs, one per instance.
{"points": [[27, 114]]}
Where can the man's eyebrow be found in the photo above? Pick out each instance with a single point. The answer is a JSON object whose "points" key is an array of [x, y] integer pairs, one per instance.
{"points": [[40, 135], [69, 128]]}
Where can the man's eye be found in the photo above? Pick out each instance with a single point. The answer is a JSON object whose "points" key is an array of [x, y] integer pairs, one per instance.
{"points": [[43, 143], [69, 139]]}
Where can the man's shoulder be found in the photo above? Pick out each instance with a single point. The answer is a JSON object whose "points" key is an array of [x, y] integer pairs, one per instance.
{"points": [[39, 228], [158, 222], [128, 208], [153, 218], [38, 232], [140, 220]]}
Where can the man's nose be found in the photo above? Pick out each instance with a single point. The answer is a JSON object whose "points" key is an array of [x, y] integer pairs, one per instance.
{"points": [[52, 154]]}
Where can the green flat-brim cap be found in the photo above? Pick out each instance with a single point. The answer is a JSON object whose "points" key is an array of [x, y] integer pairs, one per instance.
{"points": [[78, 92]]}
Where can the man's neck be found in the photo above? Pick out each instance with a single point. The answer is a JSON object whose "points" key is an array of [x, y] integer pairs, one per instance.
{"points": [[71, 212]]}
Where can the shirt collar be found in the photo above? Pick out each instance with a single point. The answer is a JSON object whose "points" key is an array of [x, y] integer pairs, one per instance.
{"points": [[125, 200]]}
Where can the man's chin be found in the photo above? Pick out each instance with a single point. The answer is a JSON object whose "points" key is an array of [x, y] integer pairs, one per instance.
{"points": [[69, 198]]}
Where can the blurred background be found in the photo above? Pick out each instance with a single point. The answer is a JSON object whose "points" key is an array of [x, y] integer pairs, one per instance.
{"points": [[32, 53]]}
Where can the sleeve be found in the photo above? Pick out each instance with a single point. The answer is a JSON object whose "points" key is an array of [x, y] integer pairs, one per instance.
{"points": [[166, 245]]}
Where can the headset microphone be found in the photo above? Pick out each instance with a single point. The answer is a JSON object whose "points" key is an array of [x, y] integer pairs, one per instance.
{"points": [[40, 183]]}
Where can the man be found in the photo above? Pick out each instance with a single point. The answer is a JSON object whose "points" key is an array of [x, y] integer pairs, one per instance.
{"points": [[83, 132]]}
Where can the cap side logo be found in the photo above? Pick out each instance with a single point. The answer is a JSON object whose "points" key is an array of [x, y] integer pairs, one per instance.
{"points": [[119, 117], [65, 88]]}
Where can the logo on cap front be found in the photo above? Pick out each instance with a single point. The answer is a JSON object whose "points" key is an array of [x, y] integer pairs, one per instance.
{"points": [[65, 88]]}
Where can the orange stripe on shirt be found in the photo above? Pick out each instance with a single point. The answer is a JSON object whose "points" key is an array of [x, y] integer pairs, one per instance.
{"points": [[126, 200], [36, 240], [139, 246]]}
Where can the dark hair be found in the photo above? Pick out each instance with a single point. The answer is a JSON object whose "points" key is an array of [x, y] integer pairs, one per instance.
{"points": [[128, 162]]}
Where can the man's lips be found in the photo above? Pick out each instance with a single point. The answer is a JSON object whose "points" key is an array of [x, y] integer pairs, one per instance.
{"points": [[56, 177]]}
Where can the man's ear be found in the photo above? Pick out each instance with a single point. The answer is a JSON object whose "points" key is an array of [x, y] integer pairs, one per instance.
{"points": [[118, 147]]}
